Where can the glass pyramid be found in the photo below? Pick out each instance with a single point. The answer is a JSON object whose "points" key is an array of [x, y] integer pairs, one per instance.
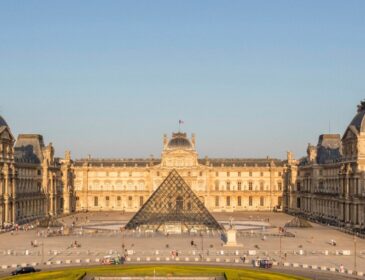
{"points": [[173, 205]]}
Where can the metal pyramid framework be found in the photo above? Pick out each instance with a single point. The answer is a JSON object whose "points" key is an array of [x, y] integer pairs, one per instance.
{"points": [[173, 204]]}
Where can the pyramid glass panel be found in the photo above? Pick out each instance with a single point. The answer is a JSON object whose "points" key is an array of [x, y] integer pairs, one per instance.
{"points": [[173, 206]]}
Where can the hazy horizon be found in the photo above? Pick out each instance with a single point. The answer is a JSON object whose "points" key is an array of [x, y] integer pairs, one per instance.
{"points": [[249, 78]]}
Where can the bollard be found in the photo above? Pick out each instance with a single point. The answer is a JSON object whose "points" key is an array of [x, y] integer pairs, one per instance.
{"points": [[295, 265], [304, 266], [58, 262], [68, 261], [78, 261], [217, 260], [87, 261], [14, 265], [186, 259], [4, 266]]}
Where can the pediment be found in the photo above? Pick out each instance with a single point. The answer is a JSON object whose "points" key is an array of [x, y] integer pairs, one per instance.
{"points": [[351, 133], [5, 134]]}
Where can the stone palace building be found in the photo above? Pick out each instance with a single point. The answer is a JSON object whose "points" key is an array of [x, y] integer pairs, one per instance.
{"points": [[327, 185]]}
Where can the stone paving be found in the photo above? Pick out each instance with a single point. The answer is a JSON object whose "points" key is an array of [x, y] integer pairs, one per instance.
{"points": [[310, 246]]}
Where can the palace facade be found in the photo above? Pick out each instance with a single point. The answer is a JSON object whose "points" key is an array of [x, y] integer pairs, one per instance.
{"points": [[30, 178], [221, 184], [329, 184]]}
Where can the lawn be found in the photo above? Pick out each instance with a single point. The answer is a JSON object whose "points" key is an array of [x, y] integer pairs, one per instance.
{"points": [[160, 270]]}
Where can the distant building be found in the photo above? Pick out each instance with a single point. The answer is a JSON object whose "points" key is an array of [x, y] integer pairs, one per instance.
{"points": [[329, 184], [223, 185], [30, 178]]}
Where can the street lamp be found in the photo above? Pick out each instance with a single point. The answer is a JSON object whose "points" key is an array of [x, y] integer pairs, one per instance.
{"points": [[355, 254], [202, 244]]}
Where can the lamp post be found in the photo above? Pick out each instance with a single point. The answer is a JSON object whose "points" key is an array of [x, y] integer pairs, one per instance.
{"points": [[355, 254], [201, 236], [280, 254]]}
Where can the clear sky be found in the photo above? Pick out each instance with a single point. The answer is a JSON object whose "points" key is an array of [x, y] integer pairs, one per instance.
{"points": [[250, 78]]}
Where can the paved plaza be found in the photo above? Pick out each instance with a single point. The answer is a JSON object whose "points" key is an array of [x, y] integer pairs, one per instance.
{"points": [[97, 235]]}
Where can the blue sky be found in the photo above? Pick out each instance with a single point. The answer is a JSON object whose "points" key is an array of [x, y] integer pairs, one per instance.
{"points": [[250, 78]]}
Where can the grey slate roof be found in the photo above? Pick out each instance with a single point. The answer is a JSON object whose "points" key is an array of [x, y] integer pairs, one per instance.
{"points": [[329, 148], [151, 162], [2, 122], [28, 148], [179, 140]]}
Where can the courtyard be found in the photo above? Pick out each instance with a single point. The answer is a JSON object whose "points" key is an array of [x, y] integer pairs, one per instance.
{"points": [[97, 235]]}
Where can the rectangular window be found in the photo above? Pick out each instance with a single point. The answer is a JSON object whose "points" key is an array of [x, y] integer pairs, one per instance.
{"points": [[96, 201], [239, 186], [107, 201], [262, 186], [140, 201], [280, 186], [216, 174], [298, 202], [228, 174], [239, 201], [250, 200], [228, 188], [239, 174], [130, 199], [119, 201], [201, 174], [262, 201], [228, 201], [250, 173], [262, 174], [217, 201], [298, 186], [216, 187], [250, 186]]}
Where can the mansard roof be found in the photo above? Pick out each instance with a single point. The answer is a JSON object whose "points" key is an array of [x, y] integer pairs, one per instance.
{"points": [[358, 121], [28, 148], [215, 162], [3, 122], [329, 148], [241, 162], [131, 162]]}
